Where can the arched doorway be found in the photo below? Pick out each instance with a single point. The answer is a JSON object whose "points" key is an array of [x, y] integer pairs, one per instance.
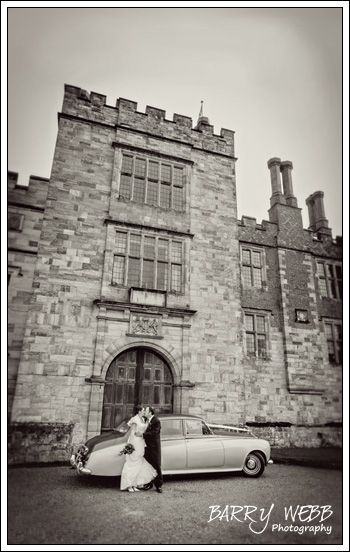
{"points": [[137, 376]]}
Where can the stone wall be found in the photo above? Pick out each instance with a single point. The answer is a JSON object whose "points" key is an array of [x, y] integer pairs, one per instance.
{"points": [[25, 216], [77, 320], [296, 384], [38, 443], [294, 436]]}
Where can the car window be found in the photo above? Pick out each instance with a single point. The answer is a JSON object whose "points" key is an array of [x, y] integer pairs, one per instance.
{"points": [[193, 427], [206, 430], [171, 427], [123, 427], [197, 427]]}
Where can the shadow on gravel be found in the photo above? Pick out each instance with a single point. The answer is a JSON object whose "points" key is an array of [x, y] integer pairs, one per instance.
{"points": [[114, 482]]}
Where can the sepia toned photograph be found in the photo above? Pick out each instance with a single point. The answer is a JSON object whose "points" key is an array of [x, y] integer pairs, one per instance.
{"points": [[175, 275]]}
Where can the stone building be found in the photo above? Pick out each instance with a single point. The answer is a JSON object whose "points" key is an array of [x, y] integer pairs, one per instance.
{"points": [[141, 286]]}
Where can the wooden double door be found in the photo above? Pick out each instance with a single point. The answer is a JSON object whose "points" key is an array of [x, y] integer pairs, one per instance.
{"points": [[138, 376]]}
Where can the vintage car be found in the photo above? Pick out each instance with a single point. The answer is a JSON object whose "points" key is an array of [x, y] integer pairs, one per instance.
{"points": [[188, 445]]}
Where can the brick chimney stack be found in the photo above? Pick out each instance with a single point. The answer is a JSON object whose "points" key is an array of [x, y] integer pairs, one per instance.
{"points": [[317, 217], [274, 165], [286, 168]]}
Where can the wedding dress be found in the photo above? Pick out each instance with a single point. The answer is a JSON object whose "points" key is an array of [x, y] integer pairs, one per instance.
{"points": [[136, 470]]}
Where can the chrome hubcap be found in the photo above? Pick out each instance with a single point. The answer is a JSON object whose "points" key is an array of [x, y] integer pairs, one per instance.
{"points": [[251, 463]]}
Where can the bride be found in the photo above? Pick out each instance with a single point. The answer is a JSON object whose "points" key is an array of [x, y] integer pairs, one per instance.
{"points": [[136, 471]]}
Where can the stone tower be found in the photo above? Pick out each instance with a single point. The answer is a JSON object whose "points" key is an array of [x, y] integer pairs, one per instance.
{"points": [[137, 276]]}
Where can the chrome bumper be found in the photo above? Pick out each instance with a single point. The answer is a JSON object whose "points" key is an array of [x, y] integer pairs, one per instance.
{"points": [[270, 461], [78, 465]]}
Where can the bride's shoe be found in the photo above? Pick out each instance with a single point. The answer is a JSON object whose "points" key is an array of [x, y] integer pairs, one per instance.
{"points": [[136, 489], [131, 490]]}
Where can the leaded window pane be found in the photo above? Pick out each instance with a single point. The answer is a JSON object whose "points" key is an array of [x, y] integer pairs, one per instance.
{"points": [[149, 247], [134, 263], [333, 333], [246, 256], [152, 193], [178, 198], [164, 187], [165, 195], [260, 324], [331, 353], [257, 279], [135, 245], [134, 272], [153, 170], [177, 176], [249, 322], [163, 250], [140, 167], [139, 190], [256, 258], [247, 278], [332, 289], [125, 186], [166, 173], [250, 344], [127, 164], [162, 276], [118, 270], [320, 269], [176, 252], [148, 274], [175, 278], [323, 288], [120, 242], [338, 331], [261, 346]]}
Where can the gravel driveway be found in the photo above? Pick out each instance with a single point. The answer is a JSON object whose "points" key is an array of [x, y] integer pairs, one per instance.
{"points": [[53, 505]]}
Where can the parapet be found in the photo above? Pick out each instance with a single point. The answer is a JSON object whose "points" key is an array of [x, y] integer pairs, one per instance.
{"points": [[33, 194], [324, 245], [251, 231], [265, 225], [92, 107]]}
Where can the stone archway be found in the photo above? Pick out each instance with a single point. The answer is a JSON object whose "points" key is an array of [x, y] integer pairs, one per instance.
{"points": [[138, 375]]}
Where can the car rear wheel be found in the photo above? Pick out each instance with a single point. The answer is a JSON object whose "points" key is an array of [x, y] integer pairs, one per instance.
{"points": [[254, 465]]}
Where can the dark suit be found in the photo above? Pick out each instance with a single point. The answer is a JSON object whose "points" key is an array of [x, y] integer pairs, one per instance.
{"points": [[152, 450]]}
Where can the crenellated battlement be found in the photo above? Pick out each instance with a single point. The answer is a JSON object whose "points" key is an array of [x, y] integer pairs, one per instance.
{"points": [[250, 231], [265, 226], [35, 193], [92, 107], [265, 234]]}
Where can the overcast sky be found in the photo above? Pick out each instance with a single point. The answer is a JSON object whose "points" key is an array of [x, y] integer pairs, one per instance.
{"points": [[273, 75]]}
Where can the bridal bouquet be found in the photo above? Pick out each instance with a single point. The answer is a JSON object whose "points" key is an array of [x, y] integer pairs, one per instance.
{"points": [[128, 449]]}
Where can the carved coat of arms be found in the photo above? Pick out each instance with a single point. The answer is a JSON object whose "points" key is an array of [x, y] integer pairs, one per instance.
{"points": [[145, 325]]}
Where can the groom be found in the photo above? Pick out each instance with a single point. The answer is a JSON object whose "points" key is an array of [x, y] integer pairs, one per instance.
{"points": [[152, 450]]}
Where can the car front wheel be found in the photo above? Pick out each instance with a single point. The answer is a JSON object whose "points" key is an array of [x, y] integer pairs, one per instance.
{"points": [[254, 465]]}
